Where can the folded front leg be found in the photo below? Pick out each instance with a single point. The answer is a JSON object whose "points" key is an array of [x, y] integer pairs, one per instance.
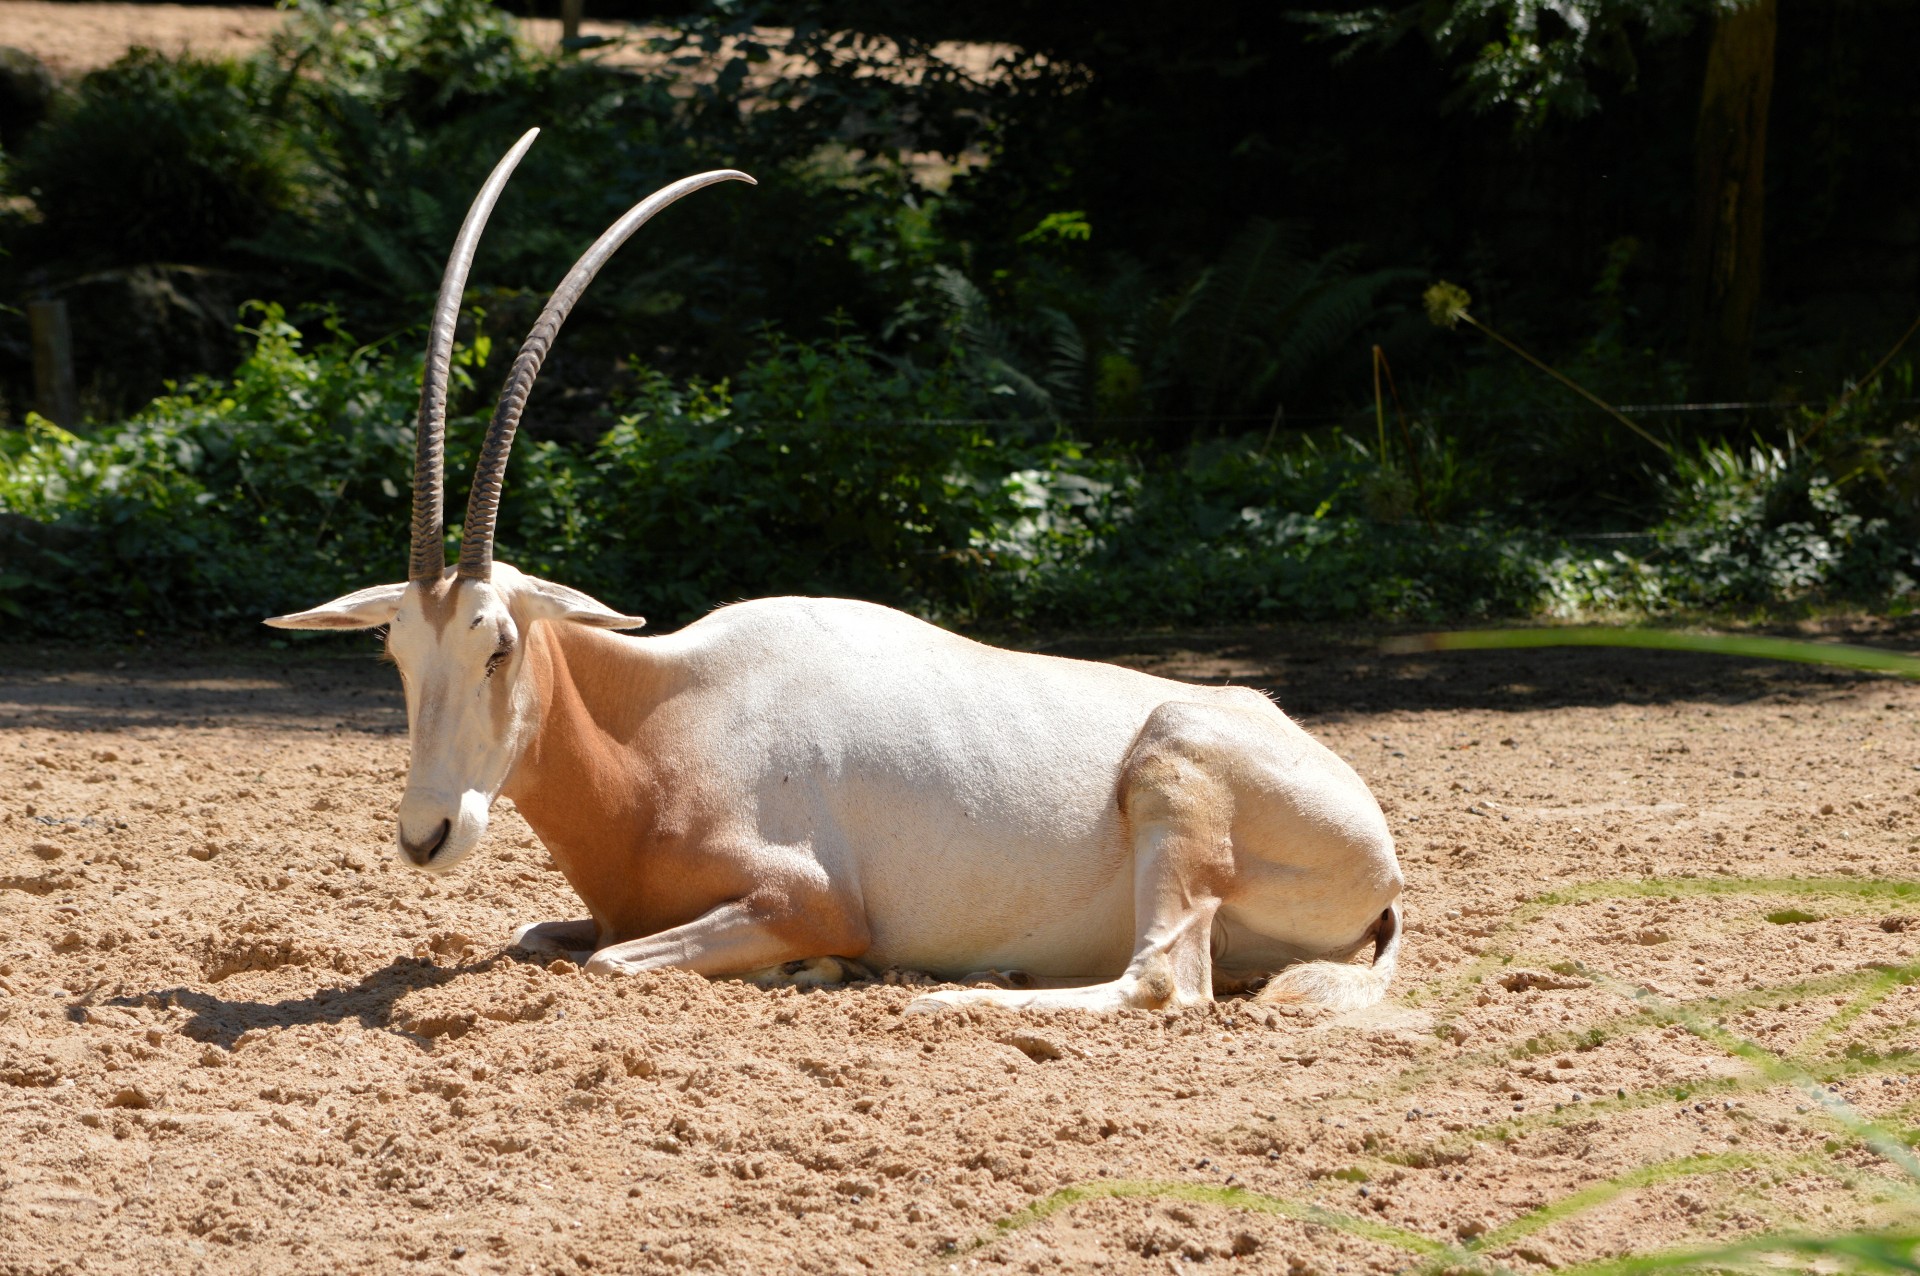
{"points": [[735, 938]]}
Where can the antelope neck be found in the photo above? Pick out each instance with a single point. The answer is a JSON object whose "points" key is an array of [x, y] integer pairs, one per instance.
{"points": [[593, 798]]}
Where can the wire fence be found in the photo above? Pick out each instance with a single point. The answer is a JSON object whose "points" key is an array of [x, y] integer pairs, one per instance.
{"points": [[1282, 419]]}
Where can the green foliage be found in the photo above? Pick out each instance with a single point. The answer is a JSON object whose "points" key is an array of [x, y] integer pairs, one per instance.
{"points": [[1763, 524], [158, 159], [404, 56], [1061, 228], [819, 469], [822, 467], [219, 500], [1240, 533], [1261, 319], [1008, 417], [1534, 58], [1107, 345], [399, 109]]}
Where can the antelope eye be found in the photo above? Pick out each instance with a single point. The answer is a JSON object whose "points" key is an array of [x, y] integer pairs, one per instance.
{"points": [[499, 657]]}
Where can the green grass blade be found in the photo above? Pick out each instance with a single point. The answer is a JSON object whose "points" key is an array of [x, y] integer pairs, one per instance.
{"points": [[1751, 647], [1854, 1252], [1600, 1193]]}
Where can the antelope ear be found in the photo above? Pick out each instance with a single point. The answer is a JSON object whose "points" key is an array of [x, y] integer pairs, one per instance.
{"points": [[362, 609], [548, 601]]}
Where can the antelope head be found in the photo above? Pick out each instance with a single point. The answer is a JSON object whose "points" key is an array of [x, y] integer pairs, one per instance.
{"points": [[458, 634]]}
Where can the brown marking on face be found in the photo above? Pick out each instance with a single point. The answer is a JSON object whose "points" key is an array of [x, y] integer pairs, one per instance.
{"points": [[609, 785], [438, 599]]}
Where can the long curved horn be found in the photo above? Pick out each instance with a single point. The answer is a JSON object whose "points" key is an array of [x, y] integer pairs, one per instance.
{"points": [[483, 505], [428, 557]]}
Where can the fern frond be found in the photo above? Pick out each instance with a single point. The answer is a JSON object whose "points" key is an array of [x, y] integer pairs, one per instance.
{"points": [[1325, 318], [1233, 300], [1066, 372], [1264, 317]]}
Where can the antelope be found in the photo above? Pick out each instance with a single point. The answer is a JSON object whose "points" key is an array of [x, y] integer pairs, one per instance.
{"points": [[797, 784]]}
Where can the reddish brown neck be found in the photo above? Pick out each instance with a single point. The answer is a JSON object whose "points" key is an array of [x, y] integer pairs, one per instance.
{"points": [[581, 783]]}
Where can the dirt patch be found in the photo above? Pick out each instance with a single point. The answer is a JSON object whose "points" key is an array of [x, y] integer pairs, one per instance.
{"points": [[74, 38], [234, 1035]]}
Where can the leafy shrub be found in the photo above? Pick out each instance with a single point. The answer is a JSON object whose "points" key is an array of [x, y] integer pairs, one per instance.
{"points": [[1229, 340], [1267, 316], [1243, 532], [823, 468], [1746, 527], [218, 503], [412, 57], [819, 469], [399, 110], [1764, 524], [158, 159]]}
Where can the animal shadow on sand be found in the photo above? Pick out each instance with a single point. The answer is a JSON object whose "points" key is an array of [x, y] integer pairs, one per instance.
{"points": [[370, 1002]]}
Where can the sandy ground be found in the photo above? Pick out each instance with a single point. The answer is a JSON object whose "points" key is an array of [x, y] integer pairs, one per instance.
{"points": [[1646, 893], [73, 38]]}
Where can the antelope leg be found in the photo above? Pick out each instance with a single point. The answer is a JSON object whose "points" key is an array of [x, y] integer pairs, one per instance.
{"points": [[561, 939], [732, 939]]}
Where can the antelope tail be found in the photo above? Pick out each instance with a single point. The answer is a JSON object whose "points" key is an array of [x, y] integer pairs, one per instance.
{"points": [[1339, 985]]}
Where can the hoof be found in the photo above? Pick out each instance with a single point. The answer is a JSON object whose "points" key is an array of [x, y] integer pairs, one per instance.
{"points": [[601, 965], [555, 939], [932, 1003]]}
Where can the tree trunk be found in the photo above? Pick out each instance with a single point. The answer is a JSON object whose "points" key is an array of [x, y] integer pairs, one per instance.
{"points": [[1729, 196]]}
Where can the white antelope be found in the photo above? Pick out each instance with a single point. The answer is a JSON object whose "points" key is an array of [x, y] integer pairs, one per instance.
{"points": [[797, 779]]}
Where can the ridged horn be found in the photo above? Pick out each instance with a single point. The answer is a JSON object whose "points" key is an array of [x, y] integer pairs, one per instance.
{"points": [[428, 557], [483, 504]]}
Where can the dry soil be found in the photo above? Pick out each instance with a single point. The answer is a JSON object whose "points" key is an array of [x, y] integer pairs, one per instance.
{"points": [[1663, 944], [74, 38]]}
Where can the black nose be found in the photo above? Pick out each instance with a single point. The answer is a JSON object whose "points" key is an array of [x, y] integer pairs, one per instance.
{"points": [[422, 853]]}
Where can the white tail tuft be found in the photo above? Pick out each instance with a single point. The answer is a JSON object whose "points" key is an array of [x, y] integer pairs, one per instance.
{"points": [[1339, 985]]}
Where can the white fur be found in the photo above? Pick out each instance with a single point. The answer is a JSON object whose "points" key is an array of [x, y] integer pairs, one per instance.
{"points": [[976, 807]]}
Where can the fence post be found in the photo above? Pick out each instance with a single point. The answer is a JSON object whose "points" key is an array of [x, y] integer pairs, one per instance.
{"points": [[56, 396], [570, 14]]}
